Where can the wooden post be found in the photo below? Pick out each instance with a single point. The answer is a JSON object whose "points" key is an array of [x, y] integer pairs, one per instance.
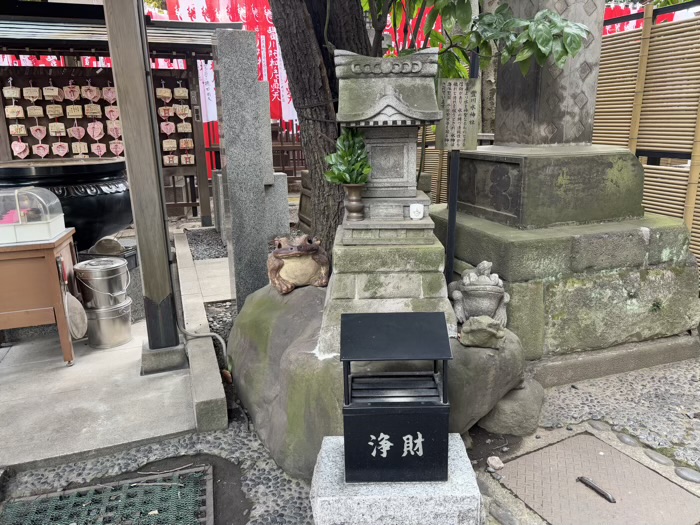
{"points": [[133, 78], [641, 77], [5, 151], [200, 151], [693, 177]]}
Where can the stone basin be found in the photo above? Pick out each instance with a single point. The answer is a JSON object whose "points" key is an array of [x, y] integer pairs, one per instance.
{"points": [[94, 193]]}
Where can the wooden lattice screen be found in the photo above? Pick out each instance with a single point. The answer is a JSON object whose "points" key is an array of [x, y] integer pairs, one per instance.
{"points": [[649, 101]]}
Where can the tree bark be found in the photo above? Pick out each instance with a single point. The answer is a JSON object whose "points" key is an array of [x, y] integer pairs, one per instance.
{"points": [[313, 94], [488, 82]]}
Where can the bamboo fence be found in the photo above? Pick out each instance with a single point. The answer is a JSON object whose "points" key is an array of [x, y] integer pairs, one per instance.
{"points": [[649, 101]]}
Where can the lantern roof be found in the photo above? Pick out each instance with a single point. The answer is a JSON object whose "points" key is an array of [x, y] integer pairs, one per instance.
{"points": [[406, 336], [397, 91]]}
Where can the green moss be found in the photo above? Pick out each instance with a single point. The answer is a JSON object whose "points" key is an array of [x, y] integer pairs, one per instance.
{"points": [[433, 285], [314, 400], [257, 320]]}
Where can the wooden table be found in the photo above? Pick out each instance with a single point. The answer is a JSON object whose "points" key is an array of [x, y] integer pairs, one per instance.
{"points": [[30, 288]]}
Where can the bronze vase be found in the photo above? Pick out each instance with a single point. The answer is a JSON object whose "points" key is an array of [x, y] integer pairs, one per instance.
{"points": [[353, 202]]}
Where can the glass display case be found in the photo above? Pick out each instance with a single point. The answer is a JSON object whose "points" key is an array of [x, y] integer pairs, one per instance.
{"points": [[29, 215]]}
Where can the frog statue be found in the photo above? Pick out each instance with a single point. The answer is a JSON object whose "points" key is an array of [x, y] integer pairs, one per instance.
{"points": [[297, 261], [479, 293]]}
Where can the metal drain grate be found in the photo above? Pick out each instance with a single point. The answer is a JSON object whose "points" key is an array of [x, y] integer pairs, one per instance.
{"points": [[546, 481], [179, 498]]}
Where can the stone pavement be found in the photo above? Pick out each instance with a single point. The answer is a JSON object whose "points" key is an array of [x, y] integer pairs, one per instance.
{"points": [[660, 406], [51, 413]]}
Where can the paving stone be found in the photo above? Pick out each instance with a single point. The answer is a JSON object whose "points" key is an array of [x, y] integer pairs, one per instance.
{"points": [[599, 425], [627, 440], [688, 474], [659, 458]]}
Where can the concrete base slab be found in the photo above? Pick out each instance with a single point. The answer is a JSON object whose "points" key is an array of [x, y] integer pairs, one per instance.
{"points": [[53, 414], [334, 502], [156, 360], [209, 282], [624, 358]]}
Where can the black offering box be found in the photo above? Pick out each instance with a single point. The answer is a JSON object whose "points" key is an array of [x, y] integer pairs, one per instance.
{"points": [[396, 423]]}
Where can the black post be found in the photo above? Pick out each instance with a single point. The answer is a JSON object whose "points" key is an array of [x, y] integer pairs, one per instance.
{"points": [[452, 215]]}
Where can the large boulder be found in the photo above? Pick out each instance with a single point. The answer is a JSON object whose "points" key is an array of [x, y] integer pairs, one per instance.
{"points": [[518, 413], [295, 395], [479, 377], [294, 398]]}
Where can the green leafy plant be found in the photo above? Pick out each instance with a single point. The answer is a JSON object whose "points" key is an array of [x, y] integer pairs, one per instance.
{"points": [[521, 41], [350, 162], [463, 36]]}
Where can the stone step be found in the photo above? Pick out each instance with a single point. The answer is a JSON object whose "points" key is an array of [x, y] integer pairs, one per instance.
{"points": [[371, 231], [395, 208]]}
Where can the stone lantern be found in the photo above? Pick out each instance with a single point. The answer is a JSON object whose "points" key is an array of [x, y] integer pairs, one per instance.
{"points": [[391, 261]]}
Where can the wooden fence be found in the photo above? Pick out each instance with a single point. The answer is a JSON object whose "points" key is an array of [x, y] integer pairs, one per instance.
{"points": [[649, 101]]}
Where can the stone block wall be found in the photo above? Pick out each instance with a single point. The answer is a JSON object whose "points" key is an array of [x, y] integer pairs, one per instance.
{"points": [[587, 287]]}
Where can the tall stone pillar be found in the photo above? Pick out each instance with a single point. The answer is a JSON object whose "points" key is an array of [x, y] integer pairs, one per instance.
{"points": [[564, 99], [257, 197]]}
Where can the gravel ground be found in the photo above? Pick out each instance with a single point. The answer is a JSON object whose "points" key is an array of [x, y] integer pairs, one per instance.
{"points": [[276, 498], [660, 406], [205, 243]]}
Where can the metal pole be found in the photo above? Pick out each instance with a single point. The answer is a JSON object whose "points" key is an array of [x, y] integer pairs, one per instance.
{"points": [[128, 48], [452, 215]]}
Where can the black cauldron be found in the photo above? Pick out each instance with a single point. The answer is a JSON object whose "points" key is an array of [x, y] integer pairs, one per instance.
{"points": [[94, 193]]}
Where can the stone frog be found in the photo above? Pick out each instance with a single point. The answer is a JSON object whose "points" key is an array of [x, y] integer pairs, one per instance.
{"points": [[297, 261]]}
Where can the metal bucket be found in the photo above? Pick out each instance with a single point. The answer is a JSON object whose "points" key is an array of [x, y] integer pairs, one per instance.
{"points": [[102, 282], [111, 326]]}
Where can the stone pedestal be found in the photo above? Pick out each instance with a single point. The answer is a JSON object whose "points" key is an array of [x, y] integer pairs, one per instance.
{"points": [[542, 186], [391, 277], [589, 286], [454, 502]]}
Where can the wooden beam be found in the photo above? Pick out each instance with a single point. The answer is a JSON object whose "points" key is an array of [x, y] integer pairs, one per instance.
{"points": [[200, 152], [641, 77], [133, 78], [5, 151], [693, 178]]}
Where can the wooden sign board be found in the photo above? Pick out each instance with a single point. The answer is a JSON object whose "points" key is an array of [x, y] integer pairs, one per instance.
{"points": [[459, 127]]}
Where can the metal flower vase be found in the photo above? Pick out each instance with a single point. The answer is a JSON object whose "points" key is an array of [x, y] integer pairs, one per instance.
{"points": [[354, 205]]}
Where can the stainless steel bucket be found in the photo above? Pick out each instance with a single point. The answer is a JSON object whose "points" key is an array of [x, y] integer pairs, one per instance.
{"points": [[109, 327], [102, 282]]}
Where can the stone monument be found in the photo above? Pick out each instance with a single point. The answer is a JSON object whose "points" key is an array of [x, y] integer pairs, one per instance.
{"points": [[257, 197], [562, 221], [391, 261]]}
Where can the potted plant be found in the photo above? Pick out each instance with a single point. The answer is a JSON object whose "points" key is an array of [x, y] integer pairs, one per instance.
{"points": [[349, 166]]}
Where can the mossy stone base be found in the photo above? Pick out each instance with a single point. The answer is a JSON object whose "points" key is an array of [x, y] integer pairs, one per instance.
{"points": [[525, 255], [587, 287], [592, 311]]}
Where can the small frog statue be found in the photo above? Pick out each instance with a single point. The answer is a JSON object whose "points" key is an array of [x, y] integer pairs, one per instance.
{"points": [[480, 293], [297, 261]]}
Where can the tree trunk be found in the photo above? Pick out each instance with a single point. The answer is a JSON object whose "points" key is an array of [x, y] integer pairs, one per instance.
{"points": [[488, 82], [346, 30], [313, 94]]}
